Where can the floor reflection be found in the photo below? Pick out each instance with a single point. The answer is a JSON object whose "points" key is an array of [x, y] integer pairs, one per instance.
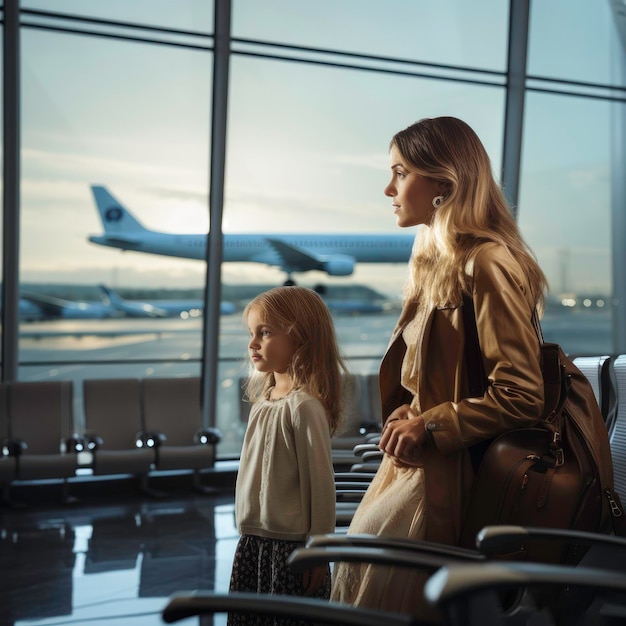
{"points": [[112, 563]]}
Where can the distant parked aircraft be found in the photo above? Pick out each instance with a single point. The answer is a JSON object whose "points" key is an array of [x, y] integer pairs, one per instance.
{"points": [[35, 306], [161, 308], [335, 254], [355, 299]]}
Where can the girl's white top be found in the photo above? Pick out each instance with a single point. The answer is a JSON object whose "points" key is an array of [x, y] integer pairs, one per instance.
{"points": [[285, 485]]}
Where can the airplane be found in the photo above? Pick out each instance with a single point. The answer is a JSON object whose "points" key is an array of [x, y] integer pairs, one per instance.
{"points": [[185, 309], [355, 299], [334, 254], [131, 308], [39, 307]]}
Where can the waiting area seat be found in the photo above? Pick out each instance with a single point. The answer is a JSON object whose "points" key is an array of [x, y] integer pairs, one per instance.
{"points": [[600, 372], [114, 428], [617, 432], [173, 418], [40, 439]]}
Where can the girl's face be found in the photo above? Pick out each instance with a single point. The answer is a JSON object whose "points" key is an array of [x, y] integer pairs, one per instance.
{"points": [[412, 194], [271, 349]]}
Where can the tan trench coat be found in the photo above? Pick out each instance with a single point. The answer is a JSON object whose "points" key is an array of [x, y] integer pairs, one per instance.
{"points": [[514, 398]]}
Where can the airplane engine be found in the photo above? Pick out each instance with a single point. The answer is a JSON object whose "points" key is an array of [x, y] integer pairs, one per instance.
{"points": [[339, 265]]}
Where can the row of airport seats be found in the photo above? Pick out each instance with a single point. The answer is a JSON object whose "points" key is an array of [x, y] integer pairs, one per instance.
{"points": [[132, 426], [482, 587]]}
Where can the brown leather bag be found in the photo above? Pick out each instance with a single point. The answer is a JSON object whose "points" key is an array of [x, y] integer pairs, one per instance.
{"points": [[558, 474]]}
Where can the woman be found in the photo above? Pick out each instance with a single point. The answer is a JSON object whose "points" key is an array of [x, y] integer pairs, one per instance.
{"points": [[468, 245]]}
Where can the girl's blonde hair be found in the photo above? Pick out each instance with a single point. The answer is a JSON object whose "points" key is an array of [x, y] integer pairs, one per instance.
{"points": [[474, 210], [317, 365]]}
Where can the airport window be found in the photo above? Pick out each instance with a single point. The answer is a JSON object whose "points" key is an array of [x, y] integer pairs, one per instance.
{"points": [[124, 123], [565, 214], [116, 108], [189, 15], [580, 48], [442, 33], [573, 135]]}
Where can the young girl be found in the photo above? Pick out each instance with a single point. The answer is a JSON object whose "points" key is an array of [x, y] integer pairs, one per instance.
{"points": [[285, 488]]}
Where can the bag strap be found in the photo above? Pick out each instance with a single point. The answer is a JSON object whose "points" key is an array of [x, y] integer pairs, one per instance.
{"points": [[537, 326], [555, 380], [476, 376]]}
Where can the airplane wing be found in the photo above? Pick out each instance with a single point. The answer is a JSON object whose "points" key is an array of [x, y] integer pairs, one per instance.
{"points": [[122, 240], [57, 308], [293, 259], [50, 307]]}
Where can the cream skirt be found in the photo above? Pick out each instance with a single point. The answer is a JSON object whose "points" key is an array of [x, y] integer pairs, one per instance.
{"points": [[393, 506]]}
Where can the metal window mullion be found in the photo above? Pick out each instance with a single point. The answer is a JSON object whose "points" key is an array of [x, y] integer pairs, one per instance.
{"points": [[618, 204], [213, 287], [11, 190], [519, 13]]}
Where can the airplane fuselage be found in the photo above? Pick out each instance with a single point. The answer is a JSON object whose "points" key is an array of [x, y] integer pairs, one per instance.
{"points": [[261, 248], [335, 254]]}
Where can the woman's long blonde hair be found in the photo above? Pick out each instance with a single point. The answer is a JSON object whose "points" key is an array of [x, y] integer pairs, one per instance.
{"points": [[474, 210], [317, 365]]}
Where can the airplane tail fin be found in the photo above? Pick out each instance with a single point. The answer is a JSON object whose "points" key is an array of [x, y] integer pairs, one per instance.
{"points": [[108, 296], [115, 217], [128, 307]]}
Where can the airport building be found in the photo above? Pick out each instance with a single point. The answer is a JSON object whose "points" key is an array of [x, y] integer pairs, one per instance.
{"points": [[165, 162]]}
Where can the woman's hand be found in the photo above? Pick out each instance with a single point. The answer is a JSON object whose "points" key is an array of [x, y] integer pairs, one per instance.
{"points": [[312, 579], [403, 434]]}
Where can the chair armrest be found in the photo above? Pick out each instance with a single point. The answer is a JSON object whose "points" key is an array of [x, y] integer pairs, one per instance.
{"points": [[208, 436], [364, 478], [306, 558], [335, 540], [182, 606], [350, 486], [495, 540], [13, 447], [456, 581], [371, 456], [360, 448], [152, 439]]}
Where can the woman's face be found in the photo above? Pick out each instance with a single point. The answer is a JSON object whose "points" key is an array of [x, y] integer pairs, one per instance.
{"points": [[412, 194]]}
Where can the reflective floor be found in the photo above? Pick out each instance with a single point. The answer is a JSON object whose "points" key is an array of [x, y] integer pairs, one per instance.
{"points": [[113, 556]]}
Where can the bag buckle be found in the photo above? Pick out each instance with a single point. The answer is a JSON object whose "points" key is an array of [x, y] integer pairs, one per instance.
{"points": [[560, 457]]}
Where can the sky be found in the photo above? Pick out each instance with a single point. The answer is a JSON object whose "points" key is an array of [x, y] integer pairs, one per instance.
{"points": [[307, 144]]}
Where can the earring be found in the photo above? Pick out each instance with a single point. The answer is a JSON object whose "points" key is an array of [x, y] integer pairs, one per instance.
{"points": [[437, 201]]}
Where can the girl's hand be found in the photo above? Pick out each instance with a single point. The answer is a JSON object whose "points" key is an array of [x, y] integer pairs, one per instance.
{"points": [[312, 579], [403, 434]]}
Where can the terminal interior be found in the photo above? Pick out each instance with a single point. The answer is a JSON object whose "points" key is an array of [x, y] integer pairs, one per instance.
{"points": [[256, 121]]}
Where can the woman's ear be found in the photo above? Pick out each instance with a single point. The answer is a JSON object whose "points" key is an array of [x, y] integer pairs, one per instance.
{"points": [[445, 189]]}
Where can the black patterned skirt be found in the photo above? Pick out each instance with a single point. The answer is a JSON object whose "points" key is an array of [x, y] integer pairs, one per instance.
{"points": [[260, 566]]}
